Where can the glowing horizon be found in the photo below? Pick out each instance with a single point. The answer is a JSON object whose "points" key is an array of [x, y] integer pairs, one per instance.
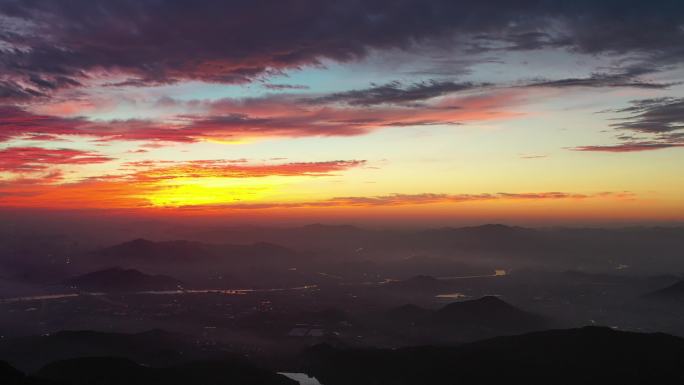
{"points": [[442, 119]]}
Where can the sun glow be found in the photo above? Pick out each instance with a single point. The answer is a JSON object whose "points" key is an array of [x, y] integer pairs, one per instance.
{"points": [[180, 192]]}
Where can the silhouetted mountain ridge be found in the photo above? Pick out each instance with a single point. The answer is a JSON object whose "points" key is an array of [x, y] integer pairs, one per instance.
{"points": [[155, 347], [590, 355], [121, 371]]}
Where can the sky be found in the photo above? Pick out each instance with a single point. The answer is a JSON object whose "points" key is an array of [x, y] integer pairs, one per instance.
{"points": [[427, 110]]}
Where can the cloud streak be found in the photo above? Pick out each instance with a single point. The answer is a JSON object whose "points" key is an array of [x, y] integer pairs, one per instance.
{"points": [[628, 147], [604, 80], [394, 200], [153, 170], [37, 159], [269, 116], [144, 183], [117, 194], [657, 123], [398, 93]]}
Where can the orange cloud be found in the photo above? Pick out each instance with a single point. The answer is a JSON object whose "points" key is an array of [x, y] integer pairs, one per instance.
{"points": [[153, 170], [160, 183], [423, 199]]}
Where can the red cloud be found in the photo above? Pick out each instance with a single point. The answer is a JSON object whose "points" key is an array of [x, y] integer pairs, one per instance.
{"points": [[37, 159], [274, 116], [15, 122]]}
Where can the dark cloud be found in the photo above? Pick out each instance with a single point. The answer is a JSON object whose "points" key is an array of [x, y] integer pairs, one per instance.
{"points": [[658, 115], [629, 147], [515, 41], [279, 87], [397, 93], [602, 80], [653, 124], [57, 44], [12, 92]]}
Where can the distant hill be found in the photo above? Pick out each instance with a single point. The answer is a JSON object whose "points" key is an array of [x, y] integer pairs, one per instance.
{"points": [[489, 312], [590, 355], [157, 251], [122, 280], [560, 248], [674, 292], [142, 253], [463, 321], [314, 236]]}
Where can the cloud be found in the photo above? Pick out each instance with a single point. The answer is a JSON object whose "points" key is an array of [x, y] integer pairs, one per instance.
{"points": [[298, 117], [117, 193], [280, 87], [413, 199], [533, 156], [393, 200], [628, 147], [15, 122], [139, 181], [397, 93], [146, 184], [657, 122], [156, 170], [13, 92], [23, 185], [50, 45], [659, 115], [269, 116], [603, 80], [37, 159]]}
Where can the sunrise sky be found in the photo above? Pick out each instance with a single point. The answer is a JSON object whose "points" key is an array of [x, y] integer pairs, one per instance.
{"points": [[564, 111]]}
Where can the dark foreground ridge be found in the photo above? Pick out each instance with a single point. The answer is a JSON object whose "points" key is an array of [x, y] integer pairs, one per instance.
{"points": [[122, 371], [590, 355], [154, 347]]}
